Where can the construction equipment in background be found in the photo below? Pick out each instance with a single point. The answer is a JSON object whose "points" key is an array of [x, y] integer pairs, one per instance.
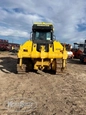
{"points": [[83, 55], [78, 50], [3, 45], [6, 46], [14, 47], [68, 48], [42, 51]]}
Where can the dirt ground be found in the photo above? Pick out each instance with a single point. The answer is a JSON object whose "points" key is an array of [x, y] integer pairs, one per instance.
{"points": [[42, 93]]}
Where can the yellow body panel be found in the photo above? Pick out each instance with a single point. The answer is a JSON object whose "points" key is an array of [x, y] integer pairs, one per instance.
{"points": [[28, 50]]}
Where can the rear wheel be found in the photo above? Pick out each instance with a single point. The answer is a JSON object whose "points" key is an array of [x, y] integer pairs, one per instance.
{"points": [[81, 59], [60, 65], [53, 67], [27, 65]]}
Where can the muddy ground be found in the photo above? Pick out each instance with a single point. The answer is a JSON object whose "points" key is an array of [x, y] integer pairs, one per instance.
{"points": [[42, 93]]}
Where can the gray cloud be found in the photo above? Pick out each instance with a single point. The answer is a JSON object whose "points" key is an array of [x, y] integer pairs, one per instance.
{"points": [[66, 15]]}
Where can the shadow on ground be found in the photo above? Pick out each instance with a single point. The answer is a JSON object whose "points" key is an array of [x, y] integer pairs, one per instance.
{"points": [[74, 61], [8, 64]]}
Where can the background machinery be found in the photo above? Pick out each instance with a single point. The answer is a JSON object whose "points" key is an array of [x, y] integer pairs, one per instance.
{"points": [[83, 55], [42, 51], [68, 49], [4, 45], [78, 50]]}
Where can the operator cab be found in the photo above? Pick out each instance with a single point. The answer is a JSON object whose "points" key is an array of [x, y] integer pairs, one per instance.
{"points": [[42, 33]]}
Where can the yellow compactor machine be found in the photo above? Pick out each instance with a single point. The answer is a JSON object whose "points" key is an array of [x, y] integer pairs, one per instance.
{"points": [[42, 51]]}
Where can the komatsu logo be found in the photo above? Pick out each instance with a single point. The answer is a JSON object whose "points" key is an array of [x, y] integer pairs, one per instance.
{"points": [[42, 25]]}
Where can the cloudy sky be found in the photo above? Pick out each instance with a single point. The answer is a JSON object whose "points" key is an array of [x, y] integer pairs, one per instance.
{"points": [[67, 16]]}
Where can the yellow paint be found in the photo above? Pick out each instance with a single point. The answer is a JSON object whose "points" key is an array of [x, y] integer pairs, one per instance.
{"points": [[56, 51]]}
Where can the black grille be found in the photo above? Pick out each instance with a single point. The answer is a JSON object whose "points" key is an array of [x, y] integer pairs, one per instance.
{"points": [[46, 47]]}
